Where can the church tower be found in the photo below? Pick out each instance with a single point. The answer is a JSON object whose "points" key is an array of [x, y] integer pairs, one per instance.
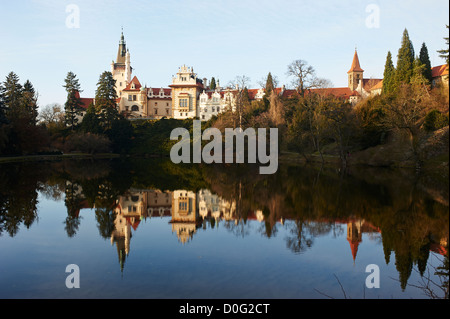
{"points": [[355, 74], [121, 69]]}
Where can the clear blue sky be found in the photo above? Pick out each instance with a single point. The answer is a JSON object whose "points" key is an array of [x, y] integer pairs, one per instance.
{"points": [[218, 38]]}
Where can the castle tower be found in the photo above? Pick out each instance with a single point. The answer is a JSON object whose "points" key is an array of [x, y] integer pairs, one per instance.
{"points": [[121, 69], [186, 89], [354, 236], [355, 74]]}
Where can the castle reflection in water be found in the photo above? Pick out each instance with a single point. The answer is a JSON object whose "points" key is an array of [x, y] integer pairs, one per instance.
{"points": [[187, 211]]}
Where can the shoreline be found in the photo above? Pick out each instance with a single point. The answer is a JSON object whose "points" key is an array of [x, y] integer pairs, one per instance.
{"points": [[55, 157]]}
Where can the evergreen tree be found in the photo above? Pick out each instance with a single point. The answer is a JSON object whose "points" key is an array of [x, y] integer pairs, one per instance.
{"points": [[12, 97], [444, 52], [425, 60], [105, 100], [405, 60], [418, 77], [212, 85], [72, 106], [3, 119], [91, 123], [388, 75], [269, 84], [29, 102]]}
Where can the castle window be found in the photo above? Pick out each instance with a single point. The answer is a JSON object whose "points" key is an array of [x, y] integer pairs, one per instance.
{"points": [[183, 103], [156, 111], [218, 109], [167, 111], [130, 98], [135, 108], [134, 97]]}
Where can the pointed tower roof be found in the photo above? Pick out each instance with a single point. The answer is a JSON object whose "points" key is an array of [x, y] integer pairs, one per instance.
{"points": [[121, 54], [354, 248], [355, 64]]}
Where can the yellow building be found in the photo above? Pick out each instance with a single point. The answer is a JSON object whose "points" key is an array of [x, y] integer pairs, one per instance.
{"points": [[186, 89]]}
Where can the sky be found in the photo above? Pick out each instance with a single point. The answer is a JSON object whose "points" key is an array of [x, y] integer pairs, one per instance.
{"points": [[42, 40]]}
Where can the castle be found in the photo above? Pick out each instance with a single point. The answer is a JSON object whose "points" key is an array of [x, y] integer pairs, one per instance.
{"points": [[188, 96]]}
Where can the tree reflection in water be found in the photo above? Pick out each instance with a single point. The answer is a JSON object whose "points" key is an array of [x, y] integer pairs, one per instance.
{"points": [[409, 211]]}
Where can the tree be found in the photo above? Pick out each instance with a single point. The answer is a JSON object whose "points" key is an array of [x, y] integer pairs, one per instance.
{"points": [[341, 124], [11, 96], [389, 75], [105, 100], [406, 112], [418, 77], [269, 84], [305, 77], [29, 102], [73, 104], [444, 52], [212, 85], [425, 60], [51, 114], [20, 106], [91, 123], [405, 60]]}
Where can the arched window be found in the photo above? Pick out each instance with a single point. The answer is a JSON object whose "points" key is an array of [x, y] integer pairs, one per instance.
{"points": [[135, 108]]}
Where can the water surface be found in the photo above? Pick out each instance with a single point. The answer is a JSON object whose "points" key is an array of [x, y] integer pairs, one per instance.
{"points": [[152, 229]]}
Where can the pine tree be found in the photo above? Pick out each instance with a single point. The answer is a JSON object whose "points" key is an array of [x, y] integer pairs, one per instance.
{"points": [[212, 85], [105, 100], [72, 106], [269, 84], [444, 52], [405, 61], [3, 119], [389, 75], [29, 102], [425, 60], [91, 123], [418, 77], [12, 97]]}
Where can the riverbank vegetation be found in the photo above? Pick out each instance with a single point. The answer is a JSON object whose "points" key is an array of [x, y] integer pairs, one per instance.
{"points": [[407, 125]]}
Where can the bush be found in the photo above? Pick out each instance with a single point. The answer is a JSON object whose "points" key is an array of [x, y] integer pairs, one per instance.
{"points": [[435, 120], [87, 143]]}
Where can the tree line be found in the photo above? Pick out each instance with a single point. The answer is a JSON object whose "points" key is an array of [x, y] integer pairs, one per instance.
{"points": [[56, 129], [314, 122]]}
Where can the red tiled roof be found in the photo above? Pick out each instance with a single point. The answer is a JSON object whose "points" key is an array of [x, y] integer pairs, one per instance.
{"points": [[85, 102], [369, 84], [377, 86], [167, 92], [439, 71], [355, 64], [136, 83], [344, 92]]}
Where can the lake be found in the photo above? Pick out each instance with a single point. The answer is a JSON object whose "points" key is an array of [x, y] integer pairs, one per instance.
{"points": [[147, 228]]}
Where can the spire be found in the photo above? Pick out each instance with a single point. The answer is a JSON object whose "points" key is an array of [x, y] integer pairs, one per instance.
{"points": [[355, 64], [121, 54]]}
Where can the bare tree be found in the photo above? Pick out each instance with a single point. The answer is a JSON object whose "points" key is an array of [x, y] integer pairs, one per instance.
{"points": [[51, 114], [242, 81], [305, 77]]}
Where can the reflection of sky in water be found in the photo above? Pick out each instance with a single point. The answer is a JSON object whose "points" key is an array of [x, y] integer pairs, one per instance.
{"points": [[216, 263]]}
